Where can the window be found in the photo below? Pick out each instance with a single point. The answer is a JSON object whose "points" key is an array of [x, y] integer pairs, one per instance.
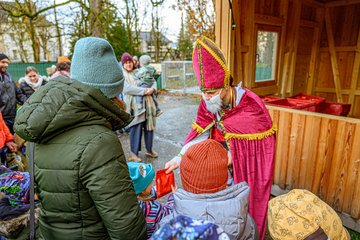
{"points": [[266, 55]]}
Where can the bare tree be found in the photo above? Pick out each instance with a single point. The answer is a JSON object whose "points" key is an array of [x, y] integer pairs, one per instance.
{"points": [[58, 31], [155, 27], [95, 18], [200, 17], [134, 20], [27, 10]]}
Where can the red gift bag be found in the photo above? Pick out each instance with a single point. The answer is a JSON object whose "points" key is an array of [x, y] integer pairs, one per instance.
{"points": [[164, 182]]}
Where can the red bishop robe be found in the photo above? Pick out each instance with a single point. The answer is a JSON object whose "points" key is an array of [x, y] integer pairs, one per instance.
{"points": [[250, 137]]}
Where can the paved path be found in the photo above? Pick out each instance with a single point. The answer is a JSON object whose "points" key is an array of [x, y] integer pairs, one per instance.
{"points": [[172, 128]]}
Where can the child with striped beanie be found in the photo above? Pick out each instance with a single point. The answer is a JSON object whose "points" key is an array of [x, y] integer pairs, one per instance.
{"points": [[142, 176]]}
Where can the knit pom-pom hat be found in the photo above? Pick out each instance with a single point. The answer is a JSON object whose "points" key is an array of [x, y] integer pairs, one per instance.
{"points": [[210, 65], [203, 168], [94, 64], [141, 175], [145, 60], [126, 57]]}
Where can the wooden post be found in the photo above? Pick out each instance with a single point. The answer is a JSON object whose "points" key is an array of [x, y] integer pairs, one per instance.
{"points": [[315, 50], [225, 32], [334, 64], [248, 17], [355, 75], [284, 7], [218, 11], [287, 77], [237, 41], [291, 77]]}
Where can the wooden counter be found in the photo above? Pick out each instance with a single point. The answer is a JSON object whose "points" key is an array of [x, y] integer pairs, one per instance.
{"points": [[321, 153]]}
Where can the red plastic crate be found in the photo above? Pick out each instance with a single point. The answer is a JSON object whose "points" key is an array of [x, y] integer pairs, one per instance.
{"points": [[294, 103], [334, 108], [269, 98], [319, 101]]}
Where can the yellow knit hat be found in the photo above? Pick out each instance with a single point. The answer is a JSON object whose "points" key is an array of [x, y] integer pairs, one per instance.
{"points": [[300, 213]]}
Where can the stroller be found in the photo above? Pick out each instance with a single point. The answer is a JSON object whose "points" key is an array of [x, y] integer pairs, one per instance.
{"points": [[18, 210]]}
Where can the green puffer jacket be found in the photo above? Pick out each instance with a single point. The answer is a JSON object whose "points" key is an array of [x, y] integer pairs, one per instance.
{"points": [[80, 169]]}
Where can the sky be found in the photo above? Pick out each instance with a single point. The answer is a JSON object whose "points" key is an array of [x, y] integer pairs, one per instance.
{"points": [[171, 18]]}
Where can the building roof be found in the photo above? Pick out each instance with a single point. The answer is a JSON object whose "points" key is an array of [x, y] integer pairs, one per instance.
{"points": [[146, 35]]}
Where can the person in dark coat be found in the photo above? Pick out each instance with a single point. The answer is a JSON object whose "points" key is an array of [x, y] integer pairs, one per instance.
{"points": [[81, 173], [31, 82], [10, 95]]}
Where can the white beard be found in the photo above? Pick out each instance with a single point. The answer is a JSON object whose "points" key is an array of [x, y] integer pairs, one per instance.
{"points": [[214, 104]]}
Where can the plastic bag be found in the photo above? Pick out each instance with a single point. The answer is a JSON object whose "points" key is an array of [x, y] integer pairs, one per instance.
{"points": [[164, 182]]}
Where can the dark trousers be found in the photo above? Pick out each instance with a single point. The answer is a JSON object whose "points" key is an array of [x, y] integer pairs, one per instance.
{"points": [[135, 138], [3, 152], [10, 123]]}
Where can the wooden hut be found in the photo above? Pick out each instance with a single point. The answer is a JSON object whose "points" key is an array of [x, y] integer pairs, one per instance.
{"points": [[284, 47]]}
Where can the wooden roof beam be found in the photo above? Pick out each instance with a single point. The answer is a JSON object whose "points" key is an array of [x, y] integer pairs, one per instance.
{"points": [[355, 75], [313, 3], [334, 63], [315, 50], [340, 3]]}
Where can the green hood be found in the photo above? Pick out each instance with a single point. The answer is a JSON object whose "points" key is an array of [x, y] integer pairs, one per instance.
{"points": [[65, 104]]}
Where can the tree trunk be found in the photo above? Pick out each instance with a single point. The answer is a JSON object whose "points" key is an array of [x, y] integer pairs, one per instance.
{"points": [[95, 18], [34, 41], [58, 31], [135, 40], [128, 25]]}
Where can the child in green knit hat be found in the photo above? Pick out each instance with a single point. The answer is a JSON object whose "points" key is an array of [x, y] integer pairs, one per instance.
{"points": [[146, 79], [142, 176]]}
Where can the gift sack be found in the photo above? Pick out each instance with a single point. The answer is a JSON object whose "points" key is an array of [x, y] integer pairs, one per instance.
{"points": [[164, 182]]}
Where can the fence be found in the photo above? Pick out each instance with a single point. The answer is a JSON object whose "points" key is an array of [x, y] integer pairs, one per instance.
{"points": [[178, 76], [17, 70]]}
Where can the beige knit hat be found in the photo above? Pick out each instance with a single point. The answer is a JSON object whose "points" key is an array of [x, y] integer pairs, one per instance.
{"points": [[203, 168], [300, 213]]}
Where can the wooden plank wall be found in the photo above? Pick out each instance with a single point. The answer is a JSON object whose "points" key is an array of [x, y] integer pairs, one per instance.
{"points": [[319, 40], [342, 47], [320, 153]]}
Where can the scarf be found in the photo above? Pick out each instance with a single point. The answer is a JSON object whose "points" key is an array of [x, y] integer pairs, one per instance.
{"points": [[150, 113], [148, 102], [60, 73], [129, 77], [36, 85]]}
